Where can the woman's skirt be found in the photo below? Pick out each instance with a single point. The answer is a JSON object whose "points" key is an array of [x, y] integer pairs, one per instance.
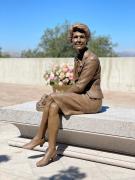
{"points": [[72, 103]]}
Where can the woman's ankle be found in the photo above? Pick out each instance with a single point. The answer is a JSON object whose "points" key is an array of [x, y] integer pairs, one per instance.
{"points": [[37, 137], [52, 149]]}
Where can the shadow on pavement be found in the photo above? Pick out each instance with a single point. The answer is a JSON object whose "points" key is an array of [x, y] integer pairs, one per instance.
{"points": [[71, 173], [4, 158], [36, 156]]}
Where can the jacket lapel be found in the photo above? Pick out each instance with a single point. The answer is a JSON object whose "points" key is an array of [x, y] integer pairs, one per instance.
{"points": [[80, 66]]}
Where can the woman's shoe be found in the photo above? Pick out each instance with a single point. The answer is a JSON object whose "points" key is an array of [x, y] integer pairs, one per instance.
{"points": [[49, 156], [33, 143]]}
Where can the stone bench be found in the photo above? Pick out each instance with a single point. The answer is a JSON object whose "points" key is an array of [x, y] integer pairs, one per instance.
{"points": [[112, 130]]}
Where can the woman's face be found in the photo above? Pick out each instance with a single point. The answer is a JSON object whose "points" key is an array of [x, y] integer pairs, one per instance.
{"points": [[79, 40]]}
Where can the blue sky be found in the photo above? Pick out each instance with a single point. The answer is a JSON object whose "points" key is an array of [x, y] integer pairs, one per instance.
{"points": [[22, 22]]}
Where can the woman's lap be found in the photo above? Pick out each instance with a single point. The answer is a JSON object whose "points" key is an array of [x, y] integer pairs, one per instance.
{"points": [[72, 103]]}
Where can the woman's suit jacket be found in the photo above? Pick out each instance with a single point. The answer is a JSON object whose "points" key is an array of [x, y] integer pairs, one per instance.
{"points": [[87, 74]]}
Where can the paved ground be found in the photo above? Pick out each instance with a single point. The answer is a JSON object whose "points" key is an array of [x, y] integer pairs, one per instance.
{"points": [[19, 164]]}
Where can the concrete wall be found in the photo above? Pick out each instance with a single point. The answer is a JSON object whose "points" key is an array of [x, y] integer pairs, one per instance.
{"points": [[117, 73]]}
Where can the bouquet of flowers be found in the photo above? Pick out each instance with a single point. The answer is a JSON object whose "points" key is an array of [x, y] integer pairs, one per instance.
{"points": [[59, 75]]}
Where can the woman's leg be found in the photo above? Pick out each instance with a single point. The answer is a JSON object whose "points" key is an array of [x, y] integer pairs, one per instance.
{"points": [[39, 138], [53, 127]]}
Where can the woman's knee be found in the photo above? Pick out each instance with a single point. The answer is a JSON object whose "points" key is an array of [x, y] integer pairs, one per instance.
{"points": [[53, 108]]}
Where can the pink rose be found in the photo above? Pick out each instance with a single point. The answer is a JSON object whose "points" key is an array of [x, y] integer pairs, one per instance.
{"points": [[51, 76], [65, 69]]}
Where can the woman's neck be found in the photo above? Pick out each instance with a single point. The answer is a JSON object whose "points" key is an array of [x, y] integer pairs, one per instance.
{"points": [[81, 53]]}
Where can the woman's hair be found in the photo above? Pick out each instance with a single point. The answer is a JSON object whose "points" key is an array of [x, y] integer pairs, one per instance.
{"points": [[81, 28]]}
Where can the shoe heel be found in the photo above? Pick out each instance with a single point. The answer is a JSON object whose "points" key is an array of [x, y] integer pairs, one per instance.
{"points": [[54, 157], [42, 142]]}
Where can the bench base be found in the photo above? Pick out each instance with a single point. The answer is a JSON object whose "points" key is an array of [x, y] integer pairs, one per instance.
{"points": [[85, 139]]}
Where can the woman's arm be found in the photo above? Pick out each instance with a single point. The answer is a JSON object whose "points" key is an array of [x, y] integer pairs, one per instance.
{"points": [[88, 71]]}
